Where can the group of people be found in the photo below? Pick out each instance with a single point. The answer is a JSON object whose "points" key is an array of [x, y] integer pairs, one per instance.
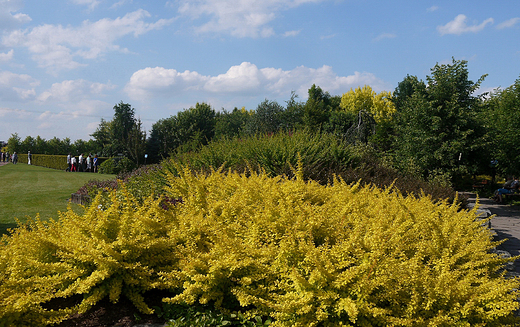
{"points": [[82, 163], [6, 157]]}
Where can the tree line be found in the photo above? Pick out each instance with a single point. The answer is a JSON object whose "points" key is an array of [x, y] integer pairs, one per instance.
{"points": [[435, 128]]}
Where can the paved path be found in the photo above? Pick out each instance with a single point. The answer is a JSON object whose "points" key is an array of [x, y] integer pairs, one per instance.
{"points": [[506, 224]]}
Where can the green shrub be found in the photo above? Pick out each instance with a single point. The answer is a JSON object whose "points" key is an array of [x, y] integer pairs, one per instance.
{"points": [[323, 156], [116, 166]]}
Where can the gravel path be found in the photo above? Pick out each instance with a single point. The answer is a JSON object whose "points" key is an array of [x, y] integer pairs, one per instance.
{"points": [[506, 225]]}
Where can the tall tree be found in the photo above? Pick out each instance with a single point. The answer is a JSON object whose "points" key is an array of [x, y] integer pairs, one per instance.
{"points": [[267, 118], [231, 124], [103, 138], [136, 144], [438, 129], [14, 143], [379, 105], [122, 126], [502, 115], [318, 108], [123, 135], [186, 131]]}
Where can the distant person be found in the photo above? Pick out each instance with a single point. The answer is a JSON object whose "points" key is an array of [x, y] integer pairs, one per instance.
{"points": [[72, 163], [28, 157], [69, 162], [510, 187], [80, 162], [89, 163], [15, 158], [96, 163], [6, 157]]}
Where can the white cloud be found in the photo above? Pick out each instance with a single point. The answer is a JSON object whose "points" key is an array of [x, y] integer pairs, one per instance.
{"points": [[120, 3], [16, 87], [432, 9], [458, 26], [291, 33], [245, 79], [508, 23], [385, 36], [6, 56], [56, 47], [10, 18], [73, 91], [240, 18], [91, 4]]}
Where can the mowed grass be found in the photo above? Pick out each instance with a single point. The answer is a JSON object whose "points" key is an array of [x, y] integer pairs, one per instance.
{"points": [[26, 191]]}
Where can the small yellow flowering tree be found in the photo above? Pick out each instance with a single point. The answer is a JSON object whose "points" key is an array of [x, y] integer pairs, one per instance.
{"points": [[380, 105]]}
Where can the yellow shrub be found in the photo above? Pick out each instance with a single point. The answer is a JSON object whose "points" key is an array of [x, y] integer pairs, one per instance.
{"points": [[313, 255], [102, 253], [305, 254]]}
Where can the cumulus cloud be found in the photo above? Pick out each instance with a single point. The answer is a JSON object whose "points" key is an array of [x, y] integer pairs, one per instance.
{"points": [[10, 18], [73, 91], [245, 79], [509, 23], [57, 47], [459, 26], [16, 87], [6, 56], [240, 18]]}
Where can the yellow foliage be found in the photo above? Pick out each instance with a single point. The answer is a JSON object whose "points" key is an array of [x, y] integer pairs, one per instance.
{"points": [[379, 105], [302, 253]]}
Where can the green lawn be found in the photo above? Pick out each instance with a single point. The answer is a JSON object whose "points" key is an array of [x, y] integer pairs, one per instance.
{"points": [[27, 190]]}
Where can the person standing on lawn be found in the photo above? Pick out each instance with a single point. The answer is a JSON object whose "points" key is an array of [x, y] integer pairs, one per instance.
{"points": [[73, 163], [80, 162], [69, 162], [28, 157], [89, 163], [96, 163]]}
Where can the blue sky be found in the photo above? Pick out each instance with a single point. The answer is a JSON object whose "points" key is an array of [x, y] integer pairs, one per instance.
{"points": [[64, 64]]}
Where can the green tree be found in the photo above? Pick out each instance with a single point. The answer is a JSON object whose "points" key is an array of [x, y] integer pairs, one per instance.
{"points": [[438, 129], [186, 131], [123, 135], [136, 143], [103, 138], [267, 118], [318, 108], [27, 144], [14, 143], [123, 124], [161, 140], [502, 115], [292, 117], [405, 89], [231, 124]]}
